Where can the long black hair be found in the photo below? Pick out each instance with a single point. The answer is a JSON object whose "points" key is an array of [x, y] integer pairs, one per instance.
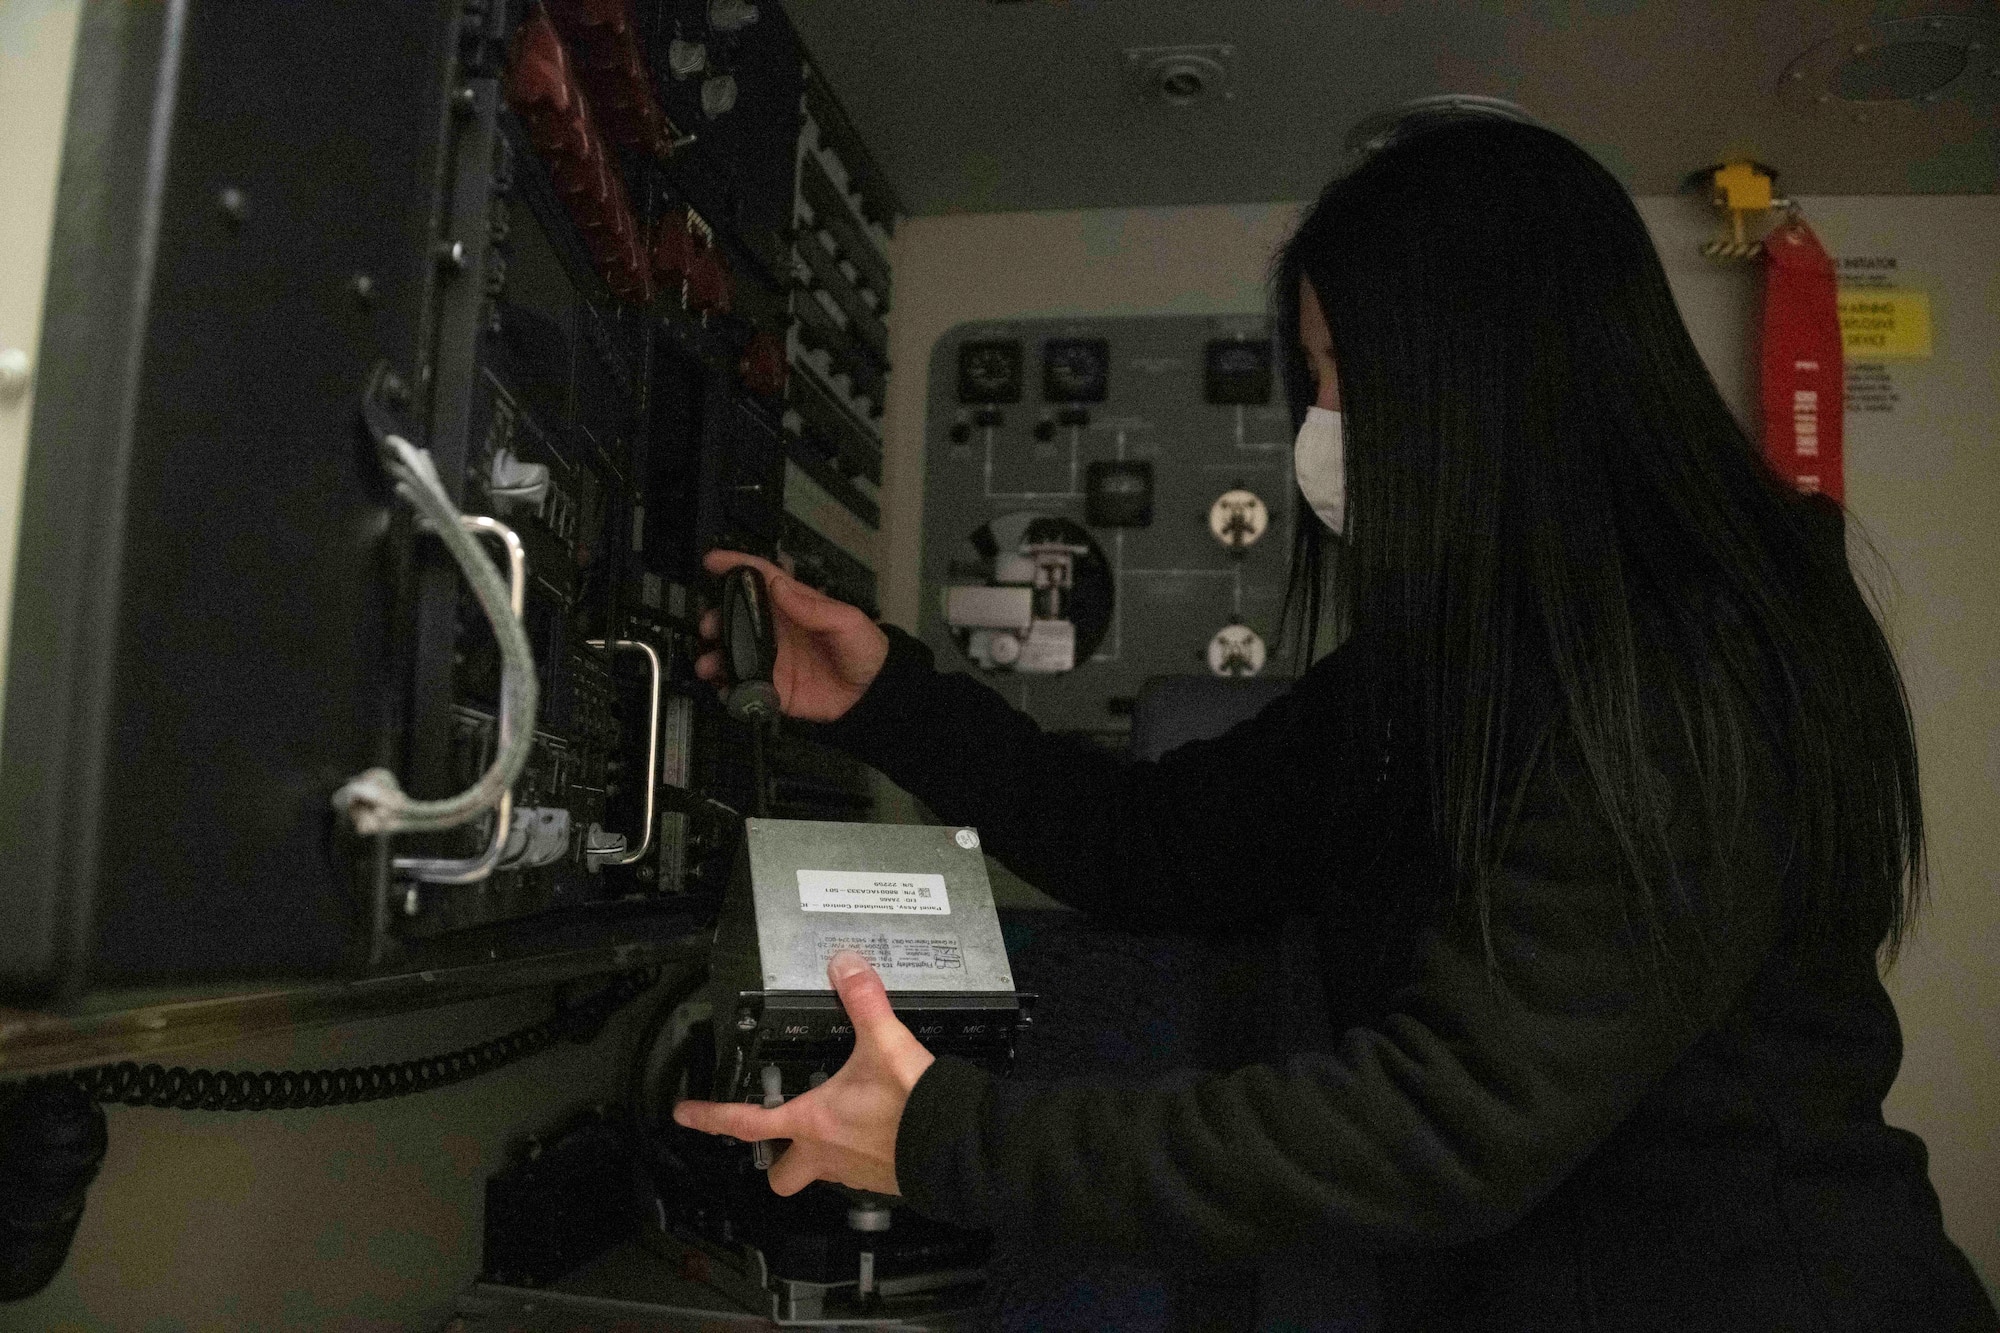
{"points": [[1553, 520]]}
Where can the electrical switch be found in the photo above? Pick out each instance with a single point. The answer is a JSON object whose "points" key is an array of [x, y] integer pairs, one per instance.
{"points": [[732, 15], [601, 845], [515, 485], [686, 59]]}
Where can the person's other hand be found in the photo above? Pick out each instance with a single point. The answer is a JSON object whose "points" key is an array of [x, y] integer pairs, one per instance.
{"points": [[828, 652], [845, 1129]]}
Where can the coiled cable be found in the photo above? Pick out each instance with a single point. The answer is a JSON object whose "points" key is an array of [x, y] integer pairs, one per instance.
{"points": [[128, 1083]]}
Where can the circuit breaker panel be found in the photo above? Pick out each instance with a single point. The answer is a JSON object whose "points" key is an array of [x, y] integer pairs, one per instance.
{"points": [[617, 268], [1105, 500]]}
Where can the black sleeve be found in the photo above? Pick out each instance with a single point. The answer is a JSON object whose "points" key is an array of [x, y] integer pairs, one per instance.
{"points": [[1242, 822], [1445, 1120]]}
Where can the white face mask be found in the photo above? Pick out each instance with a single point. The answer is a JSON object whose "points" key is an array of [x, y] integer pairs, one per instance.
{"points": [[1319, 459]]}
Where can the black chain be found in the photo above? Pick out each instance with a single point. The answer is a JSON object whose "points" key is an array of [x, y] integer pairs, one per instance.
{"points": [[131, 1084]]}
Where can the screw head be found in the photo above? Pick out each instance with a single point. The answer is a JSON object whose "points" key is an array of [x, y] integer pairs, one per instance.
{"points": [[363, 288], [454, 257], [14, 367], [233, 203]]}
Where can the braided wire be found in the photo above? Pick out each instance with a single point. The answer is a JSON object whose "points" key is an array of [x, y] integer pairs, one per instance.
{"points": [[128, 1083]]}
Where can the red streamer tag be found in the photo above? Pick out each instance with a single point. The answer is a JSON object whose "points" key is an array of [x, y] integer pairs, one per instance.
{"points": [[1804, 393]]}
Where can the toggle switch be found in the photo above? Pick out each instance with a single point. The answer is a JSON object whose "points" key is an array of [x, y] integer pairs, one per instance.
{"points": [[514, 484], [686, 59], [601, 845]]}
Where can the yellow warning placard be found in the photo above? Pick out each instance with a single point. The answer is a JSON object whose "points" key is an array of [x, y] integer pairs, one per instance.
{"points": [[1881, 323]]}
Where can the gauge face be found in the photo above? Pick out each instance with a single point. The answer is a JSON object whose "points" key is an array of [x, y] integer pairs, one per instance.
{"points": [[1076, 370], [1236, 650], [990, 371], [1238, 518], [1237, 372]]}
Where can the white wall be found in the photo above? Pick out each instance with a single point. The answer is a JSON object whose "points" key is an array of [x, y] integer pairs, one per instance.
{"points": [[37, 38], [1923, 483]]}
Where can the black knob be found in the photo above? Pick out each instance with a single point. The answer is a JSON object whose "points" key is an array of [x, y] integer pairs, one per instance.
{"points": [[749, 644]]}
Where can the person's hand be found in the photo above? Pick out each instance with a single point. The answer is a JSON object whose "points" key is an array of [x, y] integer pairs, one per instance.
{"points": [[845, 1129], [828, 652]]}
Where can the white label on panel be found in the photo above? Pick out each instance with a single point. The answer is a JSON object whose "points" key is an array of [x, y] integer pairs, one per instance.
{"points": [[933, 951], [872, 891]]}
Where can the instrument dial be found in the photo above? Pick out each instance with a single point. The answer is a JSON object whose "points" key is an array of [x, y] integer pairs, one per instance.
{"points": [[1076, 370], [990, 371], [1236, 650], [1238, 518]]}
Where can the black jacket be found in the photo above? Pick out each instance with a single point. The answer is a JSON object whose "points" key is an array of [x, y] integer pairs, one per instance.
{"points": [[1562, 1140]]}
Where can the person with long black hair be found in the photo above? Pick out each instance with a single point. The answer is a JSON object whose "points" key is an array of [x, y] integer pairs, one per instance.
{"points": [[1605, 805]]}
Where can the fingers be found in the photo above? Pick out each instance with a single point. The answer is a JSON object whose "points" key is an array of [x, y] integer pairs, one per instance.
{"points": [[810, 608], [802, 602], [876, 1027], [861, 992], [736, 1119], [798, 1168], [721, 562]]}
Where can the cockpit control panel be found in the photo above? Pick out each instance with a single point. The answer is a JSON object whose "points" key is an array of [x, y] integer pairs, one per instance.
{"points": [[1126, 515]]}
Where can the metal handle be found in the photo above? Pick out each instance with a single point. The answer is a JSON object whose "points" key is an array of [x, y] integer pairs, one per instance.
{"points": [[470, 870], [615, 858]]}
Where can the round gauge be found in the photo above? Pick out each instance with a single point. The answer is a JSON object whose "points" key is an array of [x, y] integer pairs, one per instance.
{"points": [[1236, 650], [989, 371], [1238, 518], [1076, 370]]}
